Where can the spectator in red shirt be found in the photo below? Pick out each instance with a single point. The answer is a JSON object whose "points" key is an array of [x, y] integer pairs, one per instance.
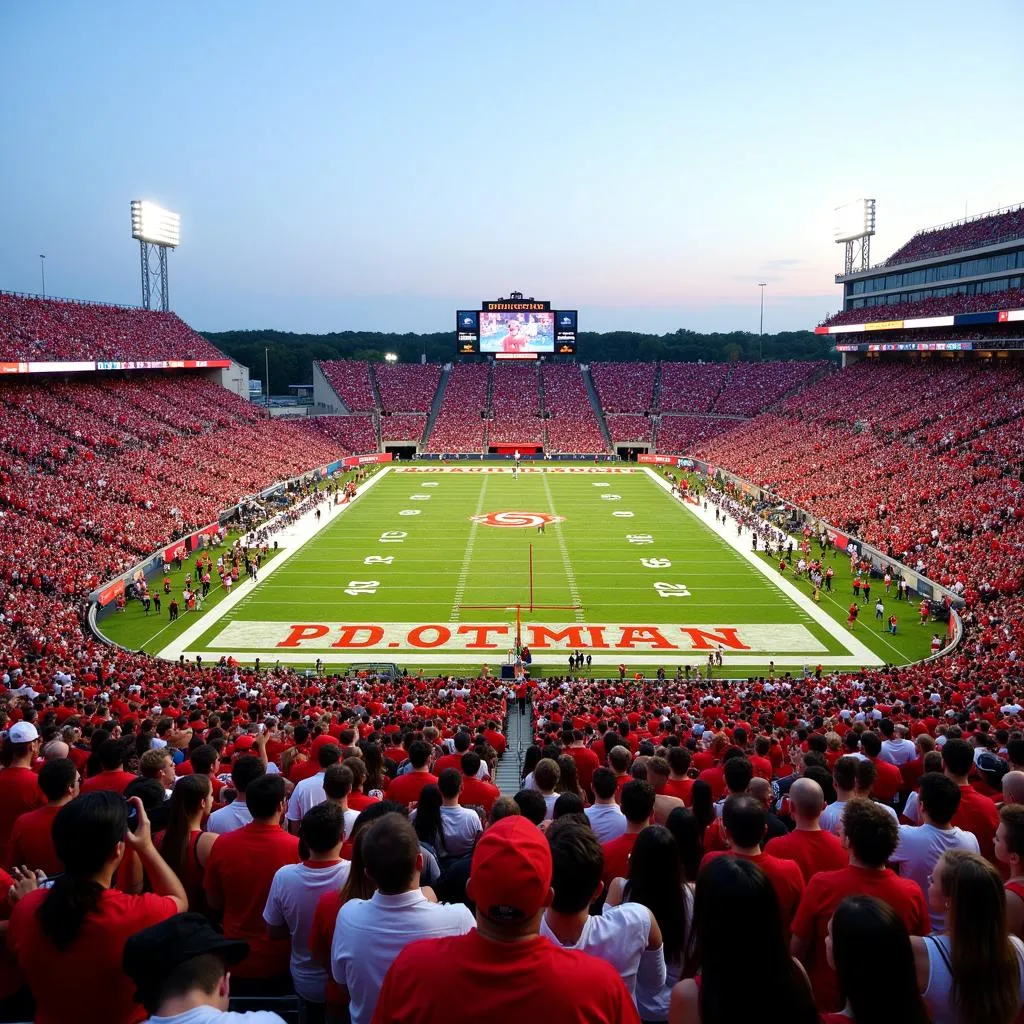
{"points": [[503, 968], [976, 813], [811, 847], [587, 762], [476, 793], [406, 788], [239, 873], [19, 785], [74, 932], [889, 780], [664, 804], [871, 836], [113, 776], [731, 890], [866, 939], [32, 836], [679, 784], [745, 822], [461, 742], [637, 804]]}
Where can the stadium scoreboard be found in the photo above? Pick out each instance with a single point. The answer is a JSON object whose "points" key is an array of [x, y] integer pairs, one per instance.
{"points": [[516, 328]]}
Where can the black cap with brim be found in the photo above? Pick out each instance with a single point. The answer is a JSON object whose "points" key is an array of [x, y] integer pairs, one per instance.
{"points": [[150, 955]]}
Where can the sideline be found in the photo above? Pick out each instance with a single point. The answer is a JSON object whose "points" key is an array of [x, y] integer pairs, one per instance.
{"points": [[292, 539], [862, 654]]}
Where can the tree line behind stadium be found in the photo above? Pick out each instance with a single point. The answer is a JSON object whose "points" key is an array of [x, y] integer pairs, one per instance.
{"points": [[291, 356]]}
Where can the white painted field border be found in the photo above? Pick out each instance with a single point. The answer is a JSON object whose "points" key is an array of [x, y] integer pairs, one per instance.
{"points": [[862, 654], [290, 540]]}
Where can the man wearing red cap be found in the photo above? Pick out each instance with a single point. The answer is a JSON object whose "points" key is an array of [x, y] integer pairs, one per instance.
{"points": [[504, 968]]}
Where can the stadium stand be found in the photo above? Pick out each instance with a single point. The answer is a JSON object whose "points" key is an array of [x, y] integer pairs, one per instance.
{"points": [[624, 387], [350, 379], [691, 387], [624, 427], [46, 330], [752, 387], [1012, 298], [572, 426], [403, 426], [355, 434], [970, 234], [682, 434], [406, 387], [515, 405], [459, 425]]}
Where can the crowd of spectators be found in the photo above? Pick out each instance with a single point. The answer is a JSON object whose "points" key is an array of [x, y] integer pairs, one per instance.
{"points": [[691, 387], [624, 387], [459, 426], [972, 234], [571, 425], [350, 379], [48, 330], [1011, 298], [406, 387], [356, 434], [625, 427], [515, 405], [403, 426], [682, 435], [753, 387]]}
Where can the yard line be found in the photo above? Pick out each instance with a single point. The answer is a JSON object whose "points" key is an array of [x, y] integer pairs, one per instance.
{"points": [[574, 593], [467, 557]]}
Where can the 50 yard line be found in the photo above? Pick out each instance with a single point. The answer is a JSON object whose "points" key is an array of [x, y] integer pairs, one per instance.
{"points": [[467, 557], [570, 576]]}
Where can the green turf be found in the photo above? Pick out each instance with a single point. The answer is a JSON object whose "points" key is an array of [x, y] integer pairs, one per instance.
{"points": [[447, 563]]}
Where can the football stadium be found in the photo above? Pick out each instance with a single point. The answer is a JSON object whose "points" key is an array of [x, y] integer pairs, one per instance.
{"points": [[526, 669]]}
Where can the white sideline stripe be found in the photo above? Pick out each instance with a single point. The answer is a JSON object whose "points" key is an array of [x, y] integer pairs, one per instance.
{"points": [[574, 593], [467, 556], [300, 532], [861, 653], [412, 658]]}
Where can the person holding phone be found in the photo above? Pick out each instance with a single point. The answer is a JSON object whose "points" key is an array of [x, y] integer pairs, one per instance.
{"points": [[75, 930]]}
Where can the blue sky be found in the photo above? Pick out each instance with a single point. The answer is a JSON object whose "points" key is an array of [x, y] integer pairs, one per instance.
{"points": [[376, 166]]}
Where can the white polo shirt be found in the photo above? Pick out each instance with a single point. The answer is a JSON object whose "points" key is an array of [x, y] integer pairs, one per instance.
{"points": [[236, 815], [462, 828], [607, 821], [294, 894], [832, 817], [306, 794], [371, 933]]}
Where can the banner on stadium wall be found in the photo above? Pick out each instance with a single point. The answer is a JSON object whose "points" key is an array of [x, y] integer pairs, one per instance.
{"points": [[362, 460], [657, 460], [989, 316], [179, 549], [195, 541], [13, 367], [111, 592]]}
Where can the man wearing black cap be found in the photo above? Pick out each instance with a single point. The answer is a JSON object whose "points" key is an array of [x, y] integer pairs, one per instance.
{"points": [[180, 969]]}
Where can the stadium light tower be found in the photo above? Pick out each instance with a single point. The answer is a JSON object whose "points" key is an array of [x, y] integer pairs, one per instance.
{"points": [[42, 271], [157, 230], [855, 224], [390, 357], [760, 333]]}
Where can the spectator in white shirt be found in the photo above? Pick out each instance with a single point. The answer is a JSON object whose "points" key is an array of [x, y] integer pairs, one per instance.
{"points": [[896, 748], [462, 826], [295, 892], [236, 815], [310, 792], [921, 846], [845, 776], [605, 815], [626, 936], [545, 777], [371, 933], [338, 780]]}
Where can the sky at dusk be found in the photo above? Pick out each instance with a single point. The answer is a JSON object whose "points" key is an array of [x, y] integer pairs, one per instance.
{"points": [[358, 166]]}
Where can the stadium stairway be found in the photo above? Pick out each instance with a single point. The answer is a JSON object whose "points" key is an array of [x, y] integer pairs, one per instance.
{"points": [[517, 738], [435, 408], [596, 404]]}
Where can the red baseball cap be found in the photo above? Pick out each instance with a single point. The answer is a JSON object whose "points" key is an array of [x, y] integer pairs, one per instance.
{"points": [[510, 877], [245, 742]]}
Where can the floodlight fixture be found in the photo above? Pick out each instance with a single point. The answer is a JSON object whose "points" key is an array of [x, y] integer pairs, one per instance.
{"points": [[855, 224], [156, 231], [154, 224], [390, 357]]}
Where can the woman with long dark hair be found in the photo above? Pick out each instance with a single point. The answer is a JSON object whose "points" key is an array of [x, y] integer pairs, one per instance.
{"points": [[703, 806], [974, 971], [738, 945], [689, 837], [184, 845], [77, 929], [427, 820], [656, 880], [376, 779], [867, 939], [530, 761]]}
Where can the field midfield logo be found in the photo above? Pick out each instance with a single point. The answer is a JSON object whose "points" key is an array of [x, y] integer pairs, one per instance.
{"points": [[522, 520]]}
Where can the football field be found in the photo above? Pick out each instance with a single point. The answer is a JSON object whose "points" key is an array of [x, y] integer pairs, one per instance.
{"points": [[439, 566]]}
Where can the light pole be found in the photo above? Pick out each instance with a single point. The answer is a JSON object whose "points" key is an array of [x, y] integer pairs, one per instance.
{"points": [[760, 333], [391, 358], [266, 373], [42, 272]]}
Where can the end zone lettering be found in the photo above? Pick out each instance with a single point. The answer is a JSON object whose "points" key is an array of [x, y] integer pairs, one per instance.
{"points": [[498, 636]]}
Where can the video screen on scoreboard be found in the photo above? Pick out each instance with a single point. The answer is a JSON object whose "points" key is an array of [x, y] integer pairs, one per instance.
{"points": [[506, 331]]}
